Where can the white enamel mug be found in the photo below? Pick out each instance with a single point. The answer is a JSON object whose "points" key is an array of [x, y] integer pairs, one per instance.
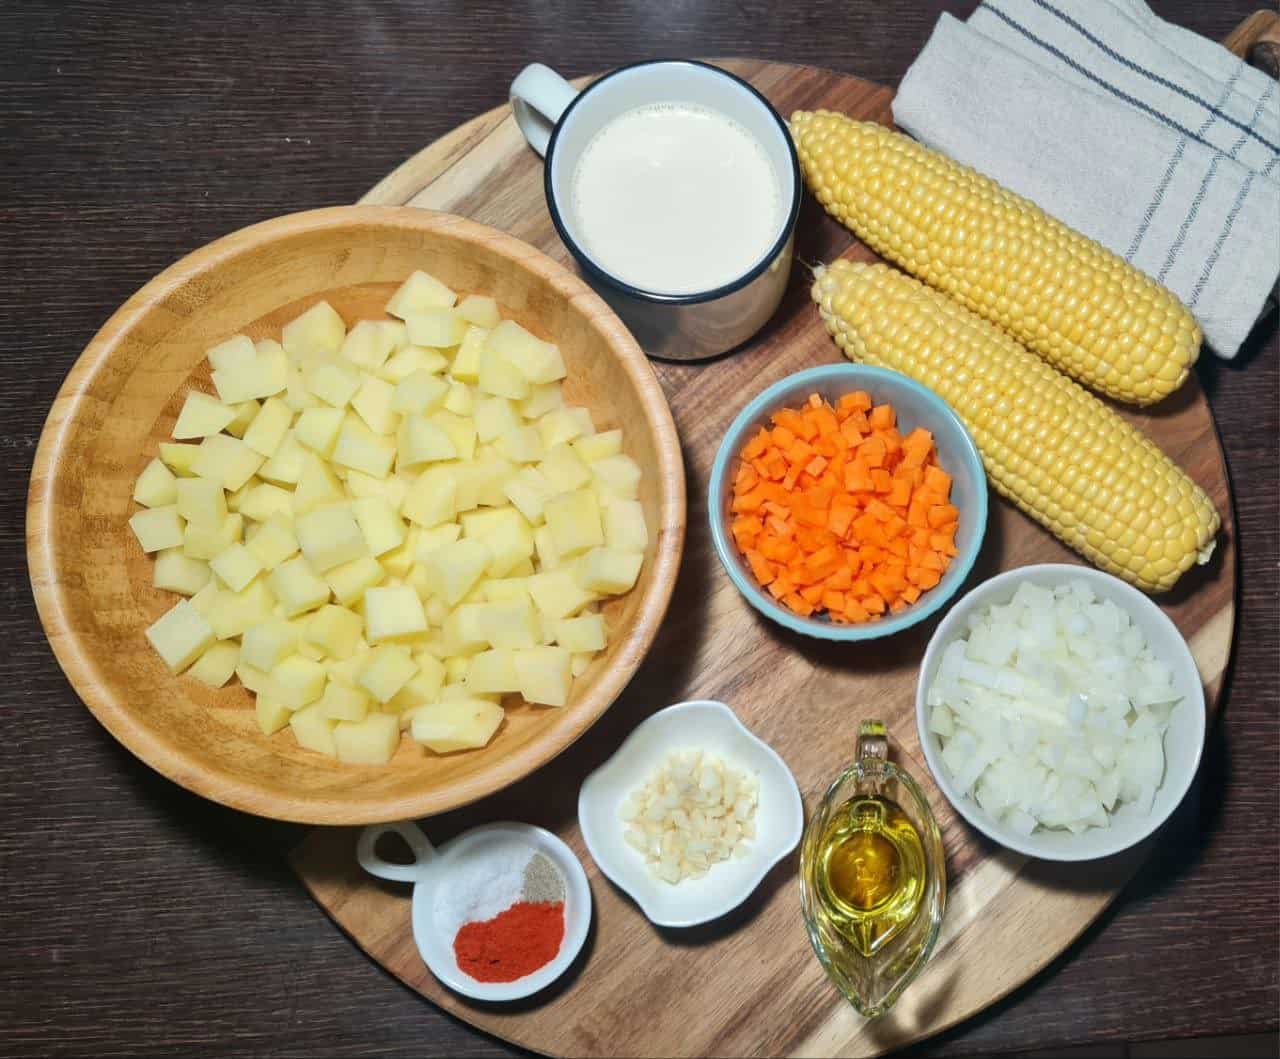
{"points": [[559, 122]]}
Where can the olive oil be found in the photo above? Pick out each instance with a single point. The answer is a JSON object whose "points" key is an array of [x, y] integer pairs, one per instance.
{"points": [[870, 871]]}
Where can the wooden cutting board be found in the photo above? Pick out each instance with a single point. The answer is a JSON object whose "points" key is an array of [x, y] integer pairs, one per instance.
{"points": [[749, 984]]}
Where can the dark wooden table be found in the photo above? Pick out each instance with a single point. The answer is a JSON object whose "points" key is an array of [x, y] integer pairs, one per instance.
{"points": [[136, 918]]}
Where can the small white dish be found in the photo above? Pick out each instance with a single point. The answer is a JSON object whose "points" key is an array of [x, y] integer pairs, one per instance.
{"points": [[714, 728], [1183, 742], [430, 869]]}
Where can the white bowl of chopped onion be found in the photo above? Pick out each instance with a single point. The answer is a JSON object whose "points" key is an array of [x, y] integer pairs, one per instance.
{"points": [[1061, 712], [690, 813]]}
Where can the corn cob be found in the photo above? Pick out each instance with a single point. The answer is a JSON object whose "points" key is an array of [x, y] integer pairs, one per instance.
{"points": [[1082, 308], [1051, 448]]}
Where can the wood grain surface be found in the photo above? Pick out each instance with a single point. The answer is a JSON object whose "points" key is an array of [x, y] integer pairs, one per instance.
{"points": [[140, 919], [802, 697]]}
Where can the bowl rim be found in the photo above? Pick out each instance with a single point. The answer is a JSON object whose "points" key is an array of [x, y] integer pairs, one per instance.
{"points": [[969, 809], [165, 756], [726, 551], [665, 716]]}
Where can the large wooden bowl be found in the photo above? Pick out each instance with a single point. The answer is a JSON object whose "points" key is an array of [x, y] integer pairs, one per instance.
{"points": [[92, 583]]}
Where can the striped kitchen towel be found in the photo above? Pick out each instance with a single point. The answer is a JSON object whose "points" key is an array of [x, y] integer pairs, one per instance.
{"points": [[1156, 142]]}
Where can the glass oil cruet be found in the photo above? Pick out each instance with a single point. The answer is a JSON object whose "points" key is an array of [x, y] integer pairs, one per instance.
{"points": [[872, 877]]}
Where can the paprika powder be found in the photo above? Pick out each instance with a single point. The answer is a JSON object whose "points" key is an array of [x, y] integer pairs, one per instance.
{"points": [[514, 943]]}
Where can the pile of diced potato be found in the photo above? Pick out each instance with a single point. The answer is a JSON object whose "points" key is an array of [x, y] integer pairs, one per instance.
{"points": [[390, 528]]}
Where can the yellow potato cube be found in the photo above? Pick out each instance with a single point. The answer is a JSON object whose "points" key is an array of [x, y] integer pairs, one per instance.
{"points": [[201, 416], [342, 702], [500, 377], [269, 427], [264, 376], [317, 486], [332, 381], [562, 425], [253, 679], [544, 674], [423, 687], [617, 476], [204, 541], [428, 540], [226, 460], [351, 580], [494, 417], [234, 612], [509, 624], [156, 486], [330, 536], [296, 395], [175, 572], [385, 671], [542, 399], [529, 490], [391, 489], [369, 742], [545, 547], [245, 413], [372, 403], [557, 594], [564, 469], [297, 587], [492, 672], [502, 589], [459, 724], [410, 360], [391, 613], [265, 502], [359, 448], [479, 310], [455, 568], [296, 681], [180, 636], [317, 428], [523, 444], [238, 349], [178, 458], [608, 572], [217, 665], [432, 498], [271, 716], [335, 631], [536, 360], [461, 632], [266, 645], [460, 400], [581, 663], [592, 447], [481, 482], [273, 543], [461, 431], [435, 328], [310, 653], [201, 500], [235, 499], [314, 731], [574, 522], [581, 634], [319, 330], [466, 362], [382, 526], [285, 465], [236, 567], [371, 342], [624, 526], [420, 441], [421, 291], [158, 528], [419, 393]]}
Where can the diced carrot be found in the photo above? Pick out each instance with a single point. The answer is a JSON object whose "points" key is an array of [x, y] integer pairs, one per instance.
{"points": [[760, 566], [812, 594], [840, 580], [873, 604], [941, 514], [799, 604], [911, 593], [881, 480], [857, 477], [758, 443], [926, 579], [883, 417], [899, 495], [879, 510], [938, 481], [872, 452], [783, 437], [840, 518], [917, 447]]}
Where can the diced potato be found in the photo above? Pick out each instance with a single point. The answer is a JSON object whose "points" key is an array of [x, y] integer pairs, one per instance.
{"points": [[509, 623], [285, 466], [564, 469], [179, 458], [541, 400], [204, 541], [264, 376], [351, 580], [421, 291], [369, 742], [271, 716], [466, 362], [232, 613], [343, 702], [318, 330], [392, 612], [381, 524], [501, 589], [536, 360], [459, 724], [608, 572], [310, 652], [314, 731], [273, 543], [205, 600], [492, 671], [545, 546], [574, 522], [523, 444], [386, 670], [266, 645], [297, 586], [581, 663], [226, 460], [421, 441], [479, 310], [156, 486], [265, 502], [238, 349], [455, 568], [296, 395], [481, 482], [334, 382], [460, 400], [202, 416], [371, 342], [236, 567], [201, 500], [544, 674], [410, 360], [562, 425], [500, 377], [217, 665], [158, 528], [391, 489], [461, 431], [592, 447], [435, 328], [245, 413], [428, 540], [529, 490], [617, 476], [423, 687], [373, 404], [557, 594], [624, 526], [360, 449], [269, 427], [180, 636], [581, 634], [317, 486], [419, 393], [296, 681], [330, 536], [317, 428], [432, 498], [175, 572], [334, 630]]}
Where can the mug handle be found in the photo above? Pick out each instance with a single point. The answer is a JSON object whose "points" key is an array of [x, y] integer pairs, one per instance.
{"points": [[423, 852], [538, 97]]}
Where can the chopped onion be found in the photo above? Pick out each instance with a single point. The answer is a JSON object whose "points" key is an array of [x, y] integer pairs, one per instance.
{"points": [[1052, 710]]}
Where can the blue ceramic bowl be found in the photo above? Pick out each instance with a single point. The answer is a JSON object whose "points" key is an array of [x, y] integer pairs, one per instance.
{"points": [[916, 406]]}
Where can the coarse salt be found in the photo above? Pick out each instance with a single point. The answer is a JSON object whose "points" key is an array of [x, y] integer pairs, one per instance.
{"points": [[489, 881]]}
